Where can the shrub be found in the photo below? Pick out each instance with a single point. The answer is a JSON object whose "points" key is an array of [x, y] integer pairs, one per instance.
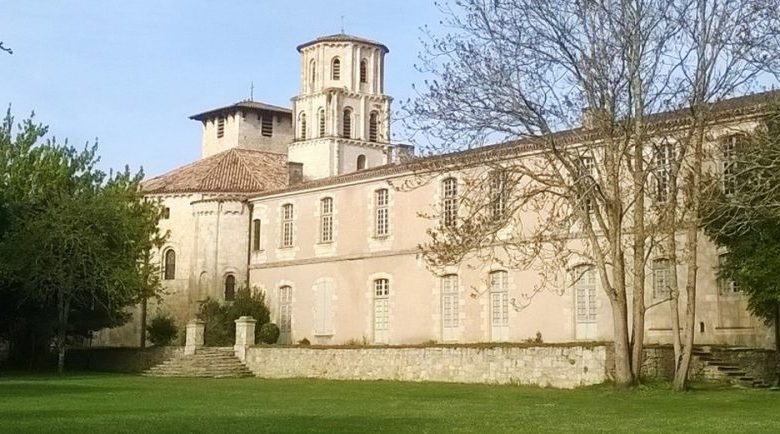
{"points": [[268, 333], [220, 318], [162, 330], [305, 342]]}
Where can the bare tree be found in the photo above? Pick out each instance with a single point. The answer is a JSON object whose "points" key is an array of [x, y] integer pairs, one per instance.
{"points": [[521, 70], [6, 49]]}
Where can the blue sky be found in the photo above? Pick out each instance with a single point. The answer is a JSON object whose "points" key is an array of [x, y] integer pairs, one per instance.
{"points": [[131, 72]]}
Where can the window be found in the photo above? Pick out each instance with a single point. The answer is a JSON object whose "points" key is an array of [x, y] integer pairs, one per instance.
{"points": [[287, 225], [169, 272], [256, 235], [499, 299], [585, 293], [166, 213], [373, 127], [449, 202], [323, 308], [312, 73], [326, 220], [230, 287], [266, 124], [664, 158], [346, 130], [498, 194], [662, 278], [381, 310], [321, 117], [285, 309], [302, 122], [361, 162], [363, 71], [449, 301], [726, 286], [585, 183], [336, 69], [730, 170], [381, 224], [220, 127]]}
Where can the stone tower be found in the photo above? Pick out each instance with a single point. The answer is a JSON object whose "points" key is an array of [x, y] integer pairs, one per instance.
{"points": [[341, 115]]}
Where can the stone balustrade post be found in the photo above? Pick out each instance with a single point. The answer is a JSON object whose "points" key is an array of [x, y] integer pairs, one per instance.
{"points": [[245, 336], [195, 333]]}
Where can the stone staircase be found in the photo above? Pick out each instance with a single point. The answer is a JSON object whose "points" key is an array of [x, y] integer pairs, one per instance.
{"points": [[717, 369], [206, 362]]}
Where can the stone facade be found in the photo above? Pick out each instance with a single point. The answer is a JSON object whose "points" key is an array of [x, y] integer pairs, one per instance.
{"points": [[547, 366]]}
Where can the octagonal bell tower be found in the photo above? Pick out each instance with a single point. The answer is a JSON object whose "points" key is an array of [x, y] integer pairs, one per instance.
{"points": [[341, 115]]}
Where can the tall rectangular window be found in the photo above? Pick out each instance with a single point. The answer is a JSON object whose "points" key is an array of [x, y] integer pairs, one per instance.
{"points": [[381, 310], [449, 301], [664, 158], [326, 220], [285, 310], [287, 225], [256, 235], [498, 194], [585, 293], [730, 170], [220, 127], [726, 286], [382, 220], [450, 202], [266, 124], [662, 278]]}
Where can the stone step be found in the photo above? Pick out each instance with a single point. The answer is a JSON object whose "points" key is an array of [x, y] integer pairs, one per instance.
{"points": [[215, 362]]}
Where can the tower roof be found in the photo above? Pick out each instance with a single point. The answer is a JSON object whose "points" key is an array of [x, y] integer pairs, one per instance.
{"points": [[241, 105], [343, 37], [231, 171]]}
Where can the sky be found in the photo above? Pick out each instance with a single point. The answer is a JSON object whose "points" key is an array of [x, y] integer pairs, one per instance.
{"points": [[130, 73]]}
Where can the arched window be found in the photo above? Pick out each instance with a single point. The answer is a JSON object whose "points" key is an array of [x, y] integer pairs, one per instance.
{"points": [[302, 122], [230, 287], [312, 73], [256, 234], [336, 69], [321, 117], [326, 220], [169, 272], [361, 162], [449, 188], [373, 127], [346, 131], [287, 225], [382, 220], [363, 71]]}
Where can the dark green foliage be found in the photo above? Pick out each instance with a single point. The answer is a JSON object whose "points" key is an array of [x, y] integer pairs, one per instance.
{"points": [[268, 333], [162, 330], [304, 342], [220, 318]]}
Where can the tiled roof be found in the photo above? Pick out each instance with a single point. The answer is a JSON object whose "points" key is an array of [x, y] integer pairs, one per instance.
{"points": [[734, 107], [246, 105], [343, 37], [231, 171]]}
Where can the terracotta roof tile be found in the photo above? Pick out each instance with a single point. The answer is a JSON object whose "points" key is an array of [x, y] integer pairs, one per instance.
{"points": [[231, 171]]}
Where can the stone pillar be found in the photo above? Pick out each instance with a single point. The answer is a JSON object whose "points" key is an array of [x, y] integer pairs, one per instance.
{"points": [[195, 331], [245, 336]]}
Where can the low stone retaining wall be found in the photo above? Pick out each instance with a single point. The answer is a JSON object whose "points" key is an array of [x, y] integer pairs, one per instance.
{"points": [[112, 359], [560, 366]]}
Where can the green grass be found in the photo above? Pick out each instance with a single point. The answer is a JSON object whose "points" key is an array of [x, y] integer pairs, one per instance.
{"points": [[97, 403]]}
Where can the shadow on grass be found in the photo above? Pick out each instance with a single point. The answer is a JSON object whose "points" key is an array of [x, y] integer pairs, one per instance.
{"points": [[28, 389]]}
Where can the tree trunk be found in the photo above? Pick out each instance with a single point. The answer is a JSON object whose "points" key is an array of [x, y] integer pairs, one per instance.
{"points": [[777, 329], [63, 307], [623, 374], [143, 322]]}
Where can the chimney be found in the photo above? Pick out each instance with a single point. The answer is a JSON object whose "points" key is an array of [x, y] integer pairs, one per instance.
{"points": [[294, 173]]}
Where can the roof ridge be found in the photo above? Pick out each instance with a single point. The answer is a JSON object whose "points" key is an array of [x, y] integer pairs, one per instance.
{"points": [[249, 170]]}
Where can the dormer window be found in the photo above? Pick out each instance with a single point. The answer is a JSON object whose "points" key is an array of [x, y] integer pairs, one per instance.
{"points": [[336, 69], [266, 124], [220, 127]]}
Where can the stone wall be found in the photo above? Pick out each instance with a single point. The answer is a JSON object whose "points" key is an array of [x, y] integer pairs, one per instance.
{"points": [[758, 363], [560, 366], [126, 360]]}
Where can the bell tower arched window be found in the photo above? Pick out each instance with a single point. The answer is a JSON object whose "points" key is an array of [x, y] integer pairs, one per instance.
{"points": [[302, 123], [373, 127], [335, 69], [363, 71], [346, 130], [312, 73], [321, 116]]}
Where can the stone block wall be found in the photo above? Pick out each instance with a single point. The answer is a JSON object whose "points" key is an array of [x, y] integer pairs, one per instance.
{"points": [[560, 366], [125, 360]]}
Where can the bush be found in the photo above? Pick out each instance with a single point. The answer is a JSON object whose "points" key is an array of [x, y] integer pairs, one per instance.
{"points": [[304, 342], [162, 330], [269, 333], [220, 318]]}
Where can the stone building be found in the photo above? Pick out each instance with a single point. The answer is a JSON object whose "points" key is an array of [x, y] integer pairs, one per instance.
{"points": [[303, 204]]}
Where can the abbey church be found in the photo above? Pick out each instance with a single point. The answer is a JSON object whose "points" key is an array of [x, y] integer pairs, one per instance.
{"points": [[302, 203]]}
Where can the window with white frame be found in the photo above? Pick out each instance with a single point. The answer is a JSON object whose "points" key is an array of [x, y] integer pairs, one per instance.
{"points": [[381, 306], [326, 220], [285, 309], [287, 225], [449, 207], [449, 301], [664, 158], [585, 293], [498, 194], [382, 218], [662, 278], [726, 286], [499, 298], [730, 169]]}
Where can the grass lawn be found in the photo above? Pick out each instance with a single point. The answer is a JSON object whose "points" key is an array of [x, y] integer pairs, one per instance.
{"points": [[98, 403]]}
